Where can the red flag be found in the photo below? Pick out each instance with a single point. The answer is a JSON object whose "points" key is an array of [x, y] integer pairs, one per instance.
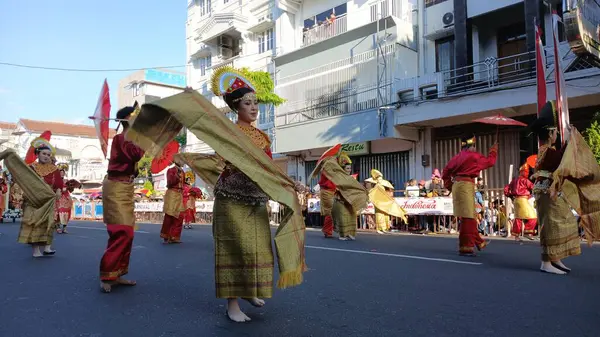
{"points": [[562, 105], [30, 156], [540, 65], [101, 117]]}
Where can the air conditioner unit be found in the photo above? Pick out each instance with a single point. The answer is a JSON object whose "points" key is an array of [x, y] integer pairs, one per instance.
{"points": [[448, 19], [225, 53], [225, 41]]}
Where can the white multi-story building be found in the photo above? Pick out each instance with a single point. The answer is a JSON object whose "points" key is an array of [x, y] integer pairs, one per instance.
{"points": [[145, 86], [398, 82]]}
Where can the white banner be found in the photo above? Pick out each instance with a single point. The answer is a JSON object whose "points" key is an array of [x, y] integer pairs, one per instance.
{"points": [[412, 206], [202, 206]]}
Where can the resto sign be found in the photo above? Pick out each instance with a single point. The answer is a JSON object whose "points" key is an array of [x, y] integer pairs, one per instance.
{"points": [[582, 24], [355, 149]]}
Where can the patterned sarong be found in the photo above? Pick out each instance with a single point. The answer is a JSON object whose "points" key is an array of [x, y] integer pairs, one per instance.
{"points": [[344, 218], [243, 254], [463, 199]]}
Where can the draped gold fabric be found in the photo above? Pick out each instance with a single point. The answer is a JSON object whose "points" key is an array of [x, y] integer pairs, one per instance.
{"points": [[208, 166], [578, 181], [463, 199], [559, 235], [344, 218], [173, 203], [383, 202], [159, 122], [326, 199], [349, 188], [523, 209], [38, 220], [117, 201]]}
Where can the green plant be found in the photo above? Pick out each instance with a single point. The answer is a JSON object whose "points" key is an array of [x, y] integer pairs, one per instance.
{"points": [[592, 136], [144, 167], [263, 83]]}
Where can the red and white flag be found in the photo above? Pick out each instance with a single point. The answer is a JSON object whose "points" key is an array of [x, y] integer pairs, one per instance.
{"points": [[102, 116], [562, 105], [540, 66]]}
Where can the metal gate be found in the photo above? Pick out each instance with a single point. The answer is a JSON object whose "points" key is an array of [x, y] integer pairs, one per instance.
{"points": [[508, 154], [394, 166]]}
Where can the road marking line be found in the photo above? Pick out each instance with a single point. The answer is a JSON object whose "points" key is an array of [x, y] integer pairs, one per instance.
{"points": [[397, 255], [102, 229]]}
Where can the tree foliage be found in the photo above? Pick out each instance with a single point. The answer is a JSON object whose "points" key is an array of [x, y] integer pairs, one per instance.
{"points": [[144, 167], [265, 88], [592, 136]]}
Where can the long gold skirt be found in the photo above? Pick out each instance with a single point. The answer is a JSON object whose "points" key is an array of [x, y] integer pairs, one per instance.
{"points": [[383, 221], [34, 226], [463, 199], [344, 219], [243, 253], [559, 236], [326, 200], [117, 201], [523, 209]]}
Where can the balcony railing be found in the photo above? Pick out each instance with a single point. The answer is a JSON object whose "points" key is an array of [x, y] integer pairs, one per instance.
{"points": [[490, 74], [345, 86], [354, 19]]}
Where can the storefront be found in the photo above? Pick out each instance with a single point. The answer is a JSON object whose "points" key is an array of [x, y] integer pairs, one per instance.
{"points": [[390, 156]]}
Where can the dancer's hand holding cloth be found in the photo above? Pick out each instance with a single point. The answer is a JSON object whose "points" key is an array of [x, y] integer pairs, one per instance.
{"points": [[159, 122]]}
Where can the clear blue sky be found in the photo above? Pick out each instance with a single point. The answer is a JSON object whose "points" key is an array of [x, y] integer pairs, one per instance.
{"points": [[81, 34]]}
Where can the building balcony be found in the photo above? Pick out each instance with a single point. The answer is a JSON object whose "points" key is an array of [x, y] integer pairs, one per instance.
{"points": [[358, 83], [354, 19], [494, 85], [491, 74]]}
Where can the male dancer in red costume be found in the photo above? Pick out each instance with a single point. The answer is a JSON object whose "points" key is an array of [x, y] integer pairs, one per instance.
{"points": [[519, 190], [117, 199], [173, 205], [459, 176]]}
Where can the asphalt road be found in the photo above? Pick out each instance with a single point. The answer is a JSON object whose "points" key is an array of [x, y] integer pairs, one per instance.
{"points": [[404, 285]]}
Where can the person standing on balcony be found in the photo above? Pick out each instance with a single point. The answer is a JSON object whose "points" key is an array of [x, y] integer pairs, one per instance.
{"points": [[459, 176], [118, 204], [519, 190], [173, 206]]}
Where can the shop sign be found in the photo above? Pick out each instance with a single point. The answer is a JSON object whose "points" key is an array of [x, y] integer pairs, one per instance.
{"points": [[356, 149], [582, 25]]}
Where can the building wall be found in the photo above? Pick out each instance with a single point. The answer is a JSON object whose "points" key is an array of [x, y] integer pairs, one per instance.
{"points": [[478, 7]]}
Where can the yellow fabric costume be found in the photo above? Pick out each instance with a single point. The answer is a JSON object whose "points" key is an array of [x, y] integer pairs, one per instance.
{"points": [[385, 205], [37, 225], [159, 122]]}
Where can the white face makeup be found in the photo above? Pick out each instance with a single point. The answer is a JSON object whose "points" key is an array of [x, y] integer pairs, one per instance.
{"points": [[248, 108], [44, 156]]}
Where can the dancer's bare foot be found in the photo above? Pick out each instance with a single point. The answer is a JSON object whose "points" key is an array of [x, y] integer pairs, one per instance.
{"points": [[106, 287], [256, 302], [124, 282], [234, 312]]}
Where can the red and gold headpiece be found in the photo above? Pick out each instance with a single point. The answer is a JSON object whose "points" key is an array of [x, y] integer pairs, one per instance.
{"points": [[468, 141], [232, 85]]}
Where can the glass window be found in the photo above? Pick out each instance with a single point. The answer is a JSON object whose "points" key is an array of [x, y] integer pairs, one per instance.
{"points": [[205, 7], [266, 41], [444, 54], [429, 3], [341, 10], [309, 23]]}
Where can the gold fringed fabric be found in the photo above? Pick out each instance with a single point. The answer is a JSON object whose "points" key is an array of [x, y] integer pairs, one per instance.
{"points": [[578, 181], [38, 218], [384, 203], [117, 201], [349, 188], [326, 199], [463, 199], [208, 166], [173, 203], [159, 122]]}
